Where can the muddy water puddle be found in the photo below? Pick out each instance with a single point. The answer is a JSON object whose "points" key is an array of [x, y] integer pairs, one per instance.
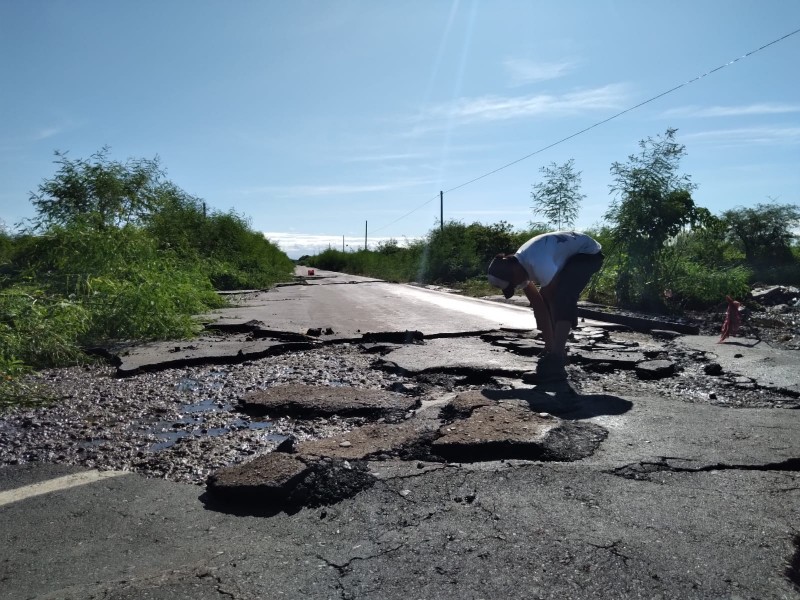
{"points": [[203, 418]]}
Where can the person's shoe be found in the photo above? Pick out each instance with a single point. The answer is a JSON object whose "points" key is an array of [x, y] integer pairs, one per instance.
{"points": [[550, 369]]}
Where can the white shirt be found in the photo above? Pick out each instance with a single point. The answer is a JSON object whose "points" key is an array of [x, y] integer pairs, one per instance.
{"points": [[544, 256]]}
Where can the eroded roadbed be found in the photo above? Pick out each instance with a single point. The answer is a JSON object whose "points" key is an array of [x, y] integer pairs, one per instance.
{"points": [[424, 466]]}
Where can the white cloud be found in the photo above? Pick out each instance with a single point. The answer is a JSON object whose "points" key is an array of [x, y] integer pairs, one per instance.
{"points": [[298, 244], [522, 71], [747, 136], [766, 108]]}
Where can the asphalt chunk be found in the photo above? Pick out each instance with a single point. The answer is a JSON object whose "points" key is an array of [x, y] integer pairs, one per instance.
{"points": [[511, 432], [655, 369], [277, 482], [407, 440], [320, 401]]}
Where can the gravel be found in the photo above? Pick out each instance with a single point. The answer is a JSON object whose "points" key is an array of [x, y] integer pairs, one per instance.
{"points": [[177, 424]]}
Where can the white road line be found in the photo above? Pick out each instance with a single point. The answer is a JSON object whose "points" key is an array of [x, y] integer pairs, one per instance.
{"points": [[53, 485]]}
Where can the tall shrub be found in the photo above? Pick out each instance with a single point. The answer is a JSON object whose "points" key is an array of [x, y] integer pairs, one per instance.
{"points": [[653, 203]]}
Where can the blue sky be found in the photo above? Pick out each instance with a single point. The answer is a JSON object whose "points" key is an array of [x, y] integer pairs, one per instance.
{"points": [[314, 118]]}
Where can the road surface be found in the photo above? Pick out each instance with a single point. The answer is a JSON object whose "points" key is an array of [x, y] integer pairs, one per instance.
{"points": [[680, 501]]}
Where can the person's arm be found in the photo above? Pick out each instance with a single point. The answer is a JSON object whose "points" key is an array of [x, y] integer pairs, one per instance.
{"points": [[541, 312]]}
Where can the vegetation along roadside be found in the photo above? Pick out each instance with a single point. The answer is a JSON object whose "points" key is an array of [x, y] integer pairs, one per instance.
{"points": [[118, 252]]}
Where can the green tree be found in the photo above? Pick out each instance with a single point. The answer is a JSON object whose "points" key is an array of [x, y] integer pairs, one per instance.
{"points": [[557, 197], [489, 240], [653, 203], [764, 232], [99, 192]]}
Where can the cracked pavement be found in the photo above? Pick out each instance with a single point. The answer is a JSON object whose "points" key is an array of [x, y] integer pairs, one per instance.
{"points": [[692, 492]]}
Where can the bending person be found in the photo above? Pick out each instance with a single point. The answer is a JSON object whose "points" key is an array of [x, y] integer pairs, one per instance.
{"points": [[561, 264]]}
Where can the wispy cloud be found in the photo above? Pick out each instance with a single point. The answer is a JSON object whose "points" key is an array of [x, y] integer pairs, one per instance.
{"points": [[522, 71], [387, 157], [765, 108], [490, 213], [334, 189], [747, 136], [59, 125], [499, 108], [46, 133]]}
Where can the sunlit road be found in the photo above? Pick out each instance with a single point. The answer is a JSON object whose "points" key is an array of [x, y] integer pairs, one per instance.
{"points": [[354, 305]]}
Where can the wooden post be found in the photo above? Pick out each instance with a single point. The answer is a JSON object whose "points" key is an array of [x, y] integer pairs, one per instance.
{"points": [[365, 235], [441, 211]]}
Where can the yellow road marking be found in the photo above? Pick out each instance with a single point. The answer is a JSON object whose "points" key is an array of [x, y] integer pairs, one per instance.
{"points": [[53, 485]]}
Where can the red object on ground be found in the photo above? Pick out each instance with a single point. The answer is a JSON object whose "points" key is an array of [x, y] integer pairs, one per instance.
{"points": [[311, 271], [732, 319]]}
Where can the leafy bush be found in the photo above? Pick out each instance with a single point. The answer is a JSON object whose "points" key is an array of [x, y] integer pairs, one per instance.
{"points": [[38, 329], [154, 302], [697, 286], [787, 274], [91, 286], [100, 191], [116, 252], [232, 254], [653, 205], [764, 232]]}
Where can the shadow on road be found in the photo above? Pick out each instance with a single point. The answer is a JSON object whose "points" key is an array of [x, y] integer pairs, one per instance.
{"points": [[247, 507], [742, 344], [564, 401]]}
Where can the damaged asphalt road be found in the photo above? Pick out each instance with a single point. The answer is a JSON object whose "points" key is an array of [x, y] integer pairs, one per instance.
{"points": [[416, 460]]}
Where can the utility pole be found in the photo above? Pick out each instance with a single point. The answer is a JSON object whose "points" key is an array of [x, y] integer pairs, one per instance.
{"points": [[365, 235], [342, 244], [441, 211]]}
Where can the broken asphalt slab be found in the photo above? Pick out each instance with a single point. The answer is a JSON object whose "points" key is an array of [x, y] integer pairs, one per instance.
{"points": [[697, 435], [204, 350], [513, 353], [409, 440], [309, 401], [770, 368], [276, 481], [616, 434], [456, 356], [503, 432]]}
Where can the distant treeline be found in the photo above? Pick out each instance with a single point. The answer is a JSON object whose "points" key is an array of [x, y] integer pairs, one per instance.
{"points": [[694, 270], [664, 252]]}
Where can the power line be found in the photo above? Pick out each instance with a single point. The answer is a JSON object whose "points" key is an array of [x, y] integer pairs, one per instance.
{"points": [[627, 110], [597, 124], [409, 213]]}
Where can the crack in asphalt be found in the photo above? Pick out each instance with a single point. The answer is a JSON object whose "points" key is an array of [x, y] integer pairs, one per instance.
{"points": [[792, 571], [346, 567], [613, 549], [640, 471], [218, 581]]}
